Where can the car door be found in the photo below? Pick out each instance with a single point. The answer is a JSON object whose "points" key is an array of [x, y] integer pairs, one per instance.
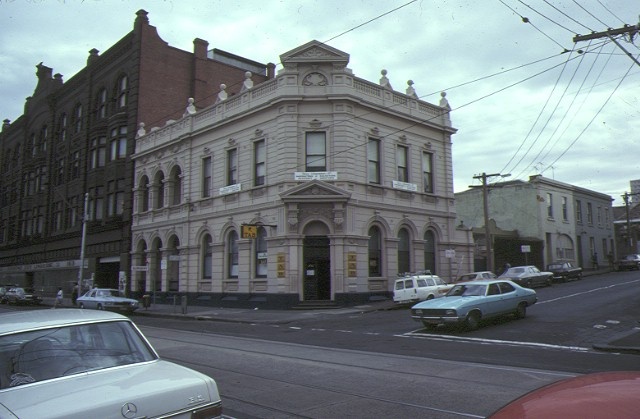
{"points": [[398, 292], [509, 297], [493, 301], [90, 301]]}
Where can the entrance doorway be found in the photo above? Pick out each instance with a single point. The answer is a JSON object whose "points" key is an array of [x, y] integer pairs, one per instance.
{"points": [[317, 268]]}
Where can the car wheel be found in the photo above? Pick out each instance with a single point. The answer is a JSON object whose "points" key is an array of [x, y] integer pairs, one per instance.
{"points": [[81, 305], [99, 307], [472, 321], [521, 311], [528, 283], [430, 297], [549, 282]]}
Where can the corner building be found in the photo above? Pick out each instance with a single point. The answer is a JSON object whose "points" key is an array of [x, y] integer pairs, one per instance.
{"points": [[314, 187], [75, 140]]}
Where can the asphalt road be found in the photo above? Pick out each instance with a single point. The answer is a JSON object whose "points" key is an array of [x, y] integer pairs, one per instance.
{"points": [[383, 362]]}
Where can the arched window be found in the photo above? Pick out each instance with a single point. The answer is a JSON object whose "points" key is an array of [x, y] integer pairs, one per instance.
{"points": [[375, 252], [404, 253], [143, 194], [77, 118], [158, 189], [175, 182], [207, 257], [232, 254], [123, 87], [101, 104], [430, 251], [63, 127], [261, 253]]}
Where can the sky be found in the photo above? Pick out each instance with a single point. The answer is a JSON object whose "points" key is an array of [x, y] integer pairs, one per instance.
{"points": [[526, 99]]}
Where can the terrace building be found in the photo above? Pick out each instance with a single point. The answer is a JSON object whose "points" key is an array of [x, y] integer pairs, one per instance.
{"points": [[70, 152]]}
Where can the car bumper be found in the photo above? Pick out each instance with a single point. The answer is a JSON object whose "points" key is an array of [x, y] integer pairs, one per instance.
{"points": [[437, 319]]}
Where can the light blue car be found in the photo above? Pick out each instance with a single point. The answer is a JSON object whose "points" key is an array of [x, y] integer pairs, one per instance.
{"points": [[107, 299], [468, 303]]}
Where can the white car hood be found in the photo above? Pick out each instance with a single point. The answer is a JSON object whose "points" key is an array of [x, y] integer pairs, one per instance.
{"points": [[155, 388]]}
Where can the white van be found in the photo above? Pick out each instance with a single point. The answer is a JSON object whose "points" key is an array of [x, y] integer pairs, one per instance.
{"points": [[419, 287]]}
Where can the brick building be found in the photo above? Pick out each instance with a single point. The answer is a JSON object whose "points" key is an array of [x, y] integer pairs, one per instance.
{"points": [[73, 144], [316, 186]]}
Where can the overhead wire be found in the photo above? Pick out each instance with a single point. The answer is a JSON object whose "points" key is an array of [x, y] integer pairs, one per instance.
{"points": [[528, 21], [597, 113], [567, 16], [590, 14], [526, 137], [585, 97], [552, 114]]}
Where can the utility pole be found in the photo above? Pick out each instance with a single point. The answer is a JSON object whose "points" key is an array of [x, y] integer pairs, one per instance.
{"points": [[83, 242], [487, 231], [631, 30]]}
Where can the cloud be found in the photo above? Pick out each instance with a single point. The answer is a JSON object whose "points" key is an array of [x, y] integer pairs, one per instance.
{"points": [[439, 44]]}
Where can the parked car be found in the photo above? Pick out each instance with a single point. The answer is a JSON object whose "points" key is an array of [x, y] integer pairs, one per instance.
{"points": [[564, 271], [629, 262], [474, 276], [527, 276], [470, 302], [419, 287], [18, 295], [76, 363], [3, 291], [596, 395], [107, 299]]}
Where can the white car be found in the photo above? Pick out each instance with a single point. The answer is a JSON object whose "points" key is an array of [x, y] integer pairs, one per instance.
{"points": [[76, 363], [477, 276], [419, 287], [107, 299]]}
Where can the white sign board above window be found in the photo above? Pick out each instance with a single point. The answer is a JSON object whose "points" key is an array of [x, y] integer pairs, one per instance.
{"points": [[231, 189], [315, 176], [411, 187]]}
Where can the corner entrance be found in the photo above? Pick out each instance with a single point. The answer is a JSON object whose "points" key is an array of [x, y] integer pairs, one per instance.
{"points": [[317, 268]]}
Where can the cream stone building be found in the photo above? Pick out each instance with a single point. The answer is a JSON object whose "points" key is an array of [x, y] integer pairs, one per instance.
{"points": [[316, 186]]}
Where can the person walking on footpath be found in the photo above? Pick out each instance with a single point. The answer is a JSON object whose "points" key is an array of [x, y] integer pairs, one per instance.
{"points": [[59, 296]]}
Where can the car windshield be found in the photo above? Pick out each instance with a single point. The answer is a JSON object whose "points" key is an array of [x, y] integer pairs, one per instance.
{"points": [[467, 290], [51, 353], [557, 266]]}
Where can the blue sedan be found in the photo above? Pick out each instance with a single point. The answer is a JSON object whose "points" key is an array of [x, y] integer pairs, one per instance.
{"points": [[468, 303], [107, 299]]}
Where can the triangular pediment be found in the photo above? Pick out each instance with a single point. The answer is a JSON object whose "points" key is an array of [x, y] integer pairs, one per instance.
{"points": [[315, 52], [315, 191]]}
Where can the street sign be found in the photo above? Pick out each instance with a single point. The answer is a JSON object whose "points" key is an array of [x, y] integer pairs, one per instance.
{"points": [[525, 248], [249, 231]]}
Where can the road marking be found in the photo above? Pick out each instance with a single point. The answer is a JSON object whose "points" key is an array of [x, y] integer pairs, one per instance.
{"points": [[587, 292], [418, 335]]}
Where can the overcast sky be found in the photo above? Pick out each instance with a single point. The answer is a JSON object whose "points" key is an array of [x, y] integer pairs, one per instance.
{"points": [[521, 104]]}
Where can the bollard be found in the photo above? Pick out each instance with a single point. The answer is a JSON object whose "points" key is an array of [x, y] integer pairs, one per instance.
{"points": [[146, 301], [184, 304]]}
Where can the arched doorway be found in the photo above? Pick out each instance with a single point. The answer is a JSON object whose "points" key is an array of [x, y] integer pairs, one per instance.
{"points": [[317, 263]]}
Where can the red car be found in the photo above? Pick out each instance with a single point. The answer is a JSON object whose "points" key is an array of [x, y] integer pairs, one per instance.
{"points": [[598, 395]]}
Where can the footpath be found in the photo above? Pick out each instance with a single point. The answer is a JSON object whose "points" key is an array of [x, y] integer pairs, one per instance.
{"points": [[628, 342]]}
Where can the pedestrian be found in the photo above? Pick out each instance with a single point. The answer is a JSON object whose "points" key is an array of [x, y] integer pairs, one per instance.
{"points": [[74, 294], [505, 267], [59, 296]]}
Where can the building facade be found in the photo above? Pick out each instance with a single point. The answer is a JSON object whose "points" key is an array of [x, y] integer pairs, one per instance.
{"points": [[540, 221], [316, 186], [70, 154]]}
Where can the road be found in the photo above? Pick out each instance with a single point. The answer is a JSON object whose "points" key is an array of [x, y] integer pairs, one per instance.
{"points": [[384, 363]]}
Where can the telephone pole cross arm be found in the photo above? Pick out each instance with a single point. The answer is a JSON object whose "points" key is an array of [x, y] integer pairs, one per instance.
{"points": [[631, 30]]}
